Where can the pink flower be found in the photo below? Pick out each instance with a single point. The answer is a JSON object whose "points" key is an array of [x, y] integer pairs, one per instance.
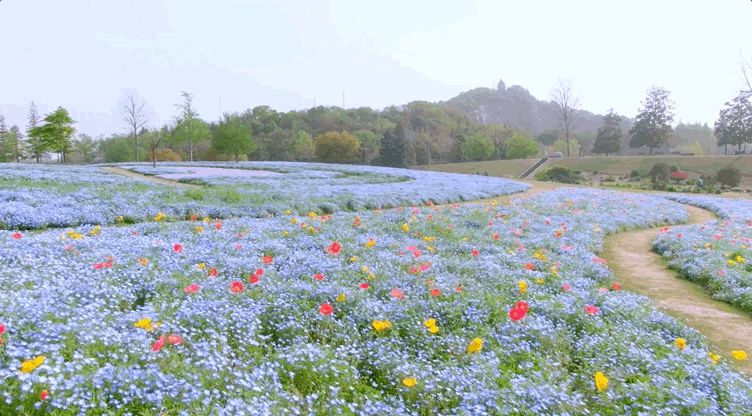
{"points": [[591, 310], [237, 286], [175, 339], [397, 293], [16, 236], [364, 286], [177, 247], [566, 287], [435, 292], [253, 279], [192, 288], [259, 272], [157, 346], [516, 314], [213, 272], [616, 286], [326, 309], [267, 259], [43, 395], [475, 252], [2, 329], [522, 305], [318, 277]]}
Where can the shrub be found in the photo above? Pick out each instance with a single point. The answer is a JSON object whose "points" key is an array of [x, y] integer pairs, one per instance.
{"points": [[729, 176], [674, 168], [678, 176], [167, 155], [195, 194], [660, 173], [634, 174], [337, 147], [230, 196], [558, 174]]}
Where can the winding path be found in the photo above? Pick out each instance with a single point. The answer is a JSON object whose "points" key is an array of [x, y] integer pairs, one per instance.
{"points": [[147, 178], [631, 258]]}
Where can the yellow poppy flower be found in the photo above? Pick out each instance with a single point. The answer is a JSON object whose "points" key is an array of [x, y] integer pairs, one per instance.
{"points": [[475, 346], [30, 365], [409, 381], [680, 343], [739, 355], [601, 381]]}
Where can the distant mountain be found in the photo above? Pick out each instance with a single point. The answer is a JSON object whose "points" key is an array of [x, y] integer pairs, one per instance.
{"points": [[515, 106]]}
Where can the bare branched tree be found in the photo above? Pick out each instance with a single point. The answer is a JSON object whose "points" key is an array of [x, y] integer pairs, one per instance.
{"points": [[566, 104], [133, 111]]}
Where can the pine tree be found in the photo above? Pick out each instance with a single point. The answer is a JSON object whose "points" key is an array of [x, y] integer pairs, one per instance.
{"points": [[608, 140], [734, 124], [392, 150], [653, 125], [36, 147], [5, 153], [16, 143]]}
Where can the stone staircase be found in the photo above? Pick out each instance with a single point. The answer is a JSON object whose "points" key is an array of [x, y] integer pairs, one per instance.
{"points": [[533, 168]]}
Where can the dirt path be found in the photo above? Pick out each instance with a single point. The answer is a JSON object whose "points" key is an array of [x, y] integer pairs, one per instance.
{"points": [[639, 269], [147, 178]]}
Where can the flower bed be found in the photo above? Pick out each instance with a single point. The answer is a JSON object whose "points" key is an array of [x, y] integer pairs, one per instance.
{"points": [[455, 310]]}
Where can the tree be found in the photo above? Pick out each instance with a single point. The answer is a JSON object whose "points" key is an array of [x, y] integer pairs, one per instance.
{"points": [[36, 147], [233, 137], [133, 111], [190, 128], [734, 124], [86, 148], [116, 149], [369, 145], [153, 140], [56, 132], [302, 146], [566, 106], [478, 147], [608, 139], [392, 150], [5, 153], [15, 143], [334, 147], [548, 137], [521, 146], [652, 127], [729, 176]]}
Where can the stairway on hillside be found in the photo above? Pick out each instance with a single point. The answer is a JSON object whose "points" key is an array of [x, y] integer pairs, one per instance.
{"points": [[533, 168]]}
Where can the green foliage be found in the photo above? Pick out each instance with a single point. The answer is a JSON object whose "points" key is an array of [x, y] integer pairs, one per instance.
{"points": [[392, 150], [56, 132], [653, 125], [608, 139], [479, 147], [634, 174], [558, 174], [86, 148], [195, 194], [370, 144], [674, 168], [734, 125], [190, 128], [233, 137], [117, 149], [729, 176], [334, 147], [561, 146], [521, 146], [302, 146], [659, 173], [694, 138], [548, 137]]}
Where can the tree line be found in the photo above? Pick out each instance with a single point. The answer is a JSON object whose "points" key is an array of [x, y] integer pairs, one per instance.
{"points": [[419, 133]]}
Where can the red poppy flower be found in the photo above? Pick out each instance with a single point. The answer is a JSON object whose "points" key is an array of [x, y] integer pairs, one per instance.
{"points": [[253, 279], [458, 289], [236, 286], [425, 266], [267, 259], [475, 252], [2, 329], [435, 292], [213, 272], [43, 395], [529, 266], [591, 310], [157, 346], [326, 309], [495, 236], [397, 293], [217, 225], [193, 217], [516, 314], [192, 288], [259, 272], [177, 247], [616, 286], [364, 286], [413, 270], [175, 339], [566, 287], [334, 248], [416, 252], [16, 235], [318, 276], [521, 305]]}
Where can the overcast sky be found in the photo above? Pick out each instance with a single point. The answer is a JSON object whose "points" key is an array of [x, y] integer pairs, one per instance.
{"points": [[82, 54]]}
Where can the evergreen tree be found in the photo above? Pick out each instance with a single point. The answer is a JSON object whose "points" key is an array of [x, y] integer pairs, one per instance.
{"points": [[734, 124], [608, 140], [56, 132], [653, 124], [36, 147], [392, 150], [16, 143], [5, 153]]}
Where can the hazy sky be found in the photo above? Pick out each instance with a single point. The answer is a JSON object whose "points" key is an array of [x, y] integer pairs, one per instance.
{"points": [[82, 54]]}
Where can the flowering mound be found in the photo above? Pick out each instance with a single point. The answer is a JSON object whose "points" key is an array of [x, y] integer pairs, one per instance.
{"points": [[33, 196], [447, 310], [715, 254]]}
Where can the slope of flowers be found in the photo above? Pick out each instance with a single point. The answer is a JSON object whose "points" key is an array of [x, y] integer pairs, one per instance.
{"points": [[447, 310], [33, 196], [716, 254]]}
